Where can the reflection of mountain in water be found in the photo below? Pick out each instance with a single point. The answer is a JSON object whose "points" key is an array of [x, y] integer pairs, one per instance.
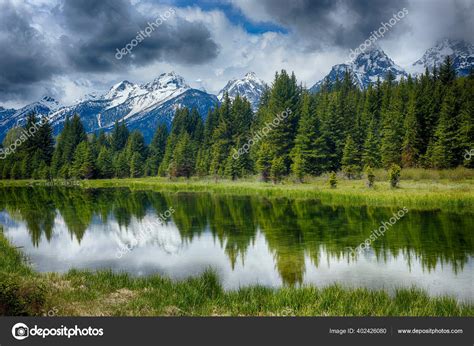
{"points": [[293, 230], [149, 231]]}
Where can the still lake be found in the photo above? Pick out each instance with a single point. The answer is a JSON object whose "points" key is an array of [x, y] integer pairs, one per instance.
{"points": [[247, 240]]}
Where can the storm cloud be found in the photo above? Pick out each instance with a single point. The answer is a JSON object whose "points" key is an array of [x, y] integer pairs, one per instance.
{"points": [[67, 48], [25, 58], [96, 29], [325, 22], [89, 33]]}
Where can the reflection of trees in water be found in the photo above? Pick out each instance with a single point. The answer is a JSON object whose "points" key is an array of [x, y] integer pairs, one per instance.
{"points": [[293, 229]]}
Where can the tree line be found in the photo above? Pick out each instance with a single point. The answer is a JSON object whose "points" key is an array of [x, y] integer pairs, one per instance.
{"points": [[425, 121]]}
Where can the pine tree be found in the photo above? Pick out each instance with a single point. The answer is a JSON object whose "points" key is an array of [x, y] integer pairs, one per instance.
{"points": [[121, 165], [183, 122], [411, 141], [443, 153], [135, 144], [447, 73], [392, 133], [105, 164], [119, 136], [350, 161], [371, 152], [244, 162], [283, 112], [83, 163], [156, 151], [183, 160], [278, 169], [205, 151], [231, 168], [136, 165], [264, 162], [73, 133], [336, 131], [298, 166], [308, 154]]}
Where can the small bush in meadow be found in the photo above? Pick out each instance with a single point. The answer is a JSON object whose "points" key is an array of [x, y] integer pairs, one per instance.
{"points": [[370, 176], [394, 175], [333, 180]]}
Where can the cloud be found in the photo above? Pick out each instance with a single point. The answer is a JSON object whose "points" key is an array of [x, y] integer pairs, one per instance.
{"points": [[71, 38], [26, 56], [326, 22], [95, 29], [67, 48]]}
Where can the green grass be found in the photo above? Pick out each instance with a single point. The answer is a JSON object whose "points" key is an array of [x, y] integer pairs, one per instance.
{"points": [[419, 188], [446, 194], [103, 293]]}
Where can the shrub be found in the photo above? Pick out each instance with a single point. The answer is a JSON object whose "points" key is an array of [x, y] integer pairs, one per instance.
{"points": [[351, 171], [370, 176], [20, 297], [333, 180], [394, 175]]}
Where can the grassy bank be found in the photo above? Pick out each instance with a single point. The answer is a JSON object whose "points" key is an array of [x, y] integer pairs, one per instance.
{"points": [[82, 293], [422, 189]]}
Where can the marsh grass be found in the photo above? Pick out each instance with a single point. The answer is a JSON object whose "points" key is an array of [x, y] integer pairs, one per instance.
{"points": [[104, 293], [419, 188], [424, 194]]}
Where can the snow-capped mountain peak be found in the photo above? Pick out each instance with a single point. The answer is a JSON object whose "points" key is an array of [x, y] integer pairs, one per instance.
{"points": [[169, 80], [142, 106], [17, 117], [365, 69], [250, 86], [461, 52], [121, 89]]}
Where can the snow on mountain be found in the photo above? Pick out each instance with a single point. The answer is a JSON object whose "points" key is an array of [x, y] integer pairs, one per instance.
{"points": [[366, 68], [251, 87], [461, 52], [141, 106], [337, 72], [16, 117]]}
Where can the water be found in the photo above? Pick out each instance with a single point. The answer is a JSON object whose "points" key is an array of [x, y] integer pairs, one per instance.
{"points": [[247, 240]]}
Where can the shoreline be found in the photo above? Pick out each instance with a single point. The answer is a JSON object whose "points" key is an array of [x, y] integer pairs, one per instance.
{"points": [[443, 194], [26, 292]]}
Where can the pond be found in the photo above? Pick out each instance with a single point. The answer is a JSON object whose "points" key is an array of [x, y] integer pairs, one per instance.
{"points": [[247, 240]]}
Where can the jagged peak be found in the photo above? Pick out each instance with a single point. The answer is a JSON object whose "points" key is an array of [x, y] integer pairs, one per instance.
{"points": [[121, 85], [250, 75], [165, 79]]}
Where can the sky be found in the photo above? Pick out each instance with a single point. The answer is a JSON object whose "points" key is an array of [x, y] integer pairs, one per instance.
{"points": [[68, 48]]}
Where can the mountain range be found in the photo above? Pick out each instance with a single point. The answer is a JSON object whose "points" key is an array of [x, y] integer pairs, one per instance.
{"points": [[373, 64], [144, 106], [366, 68], [461, 52]]}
